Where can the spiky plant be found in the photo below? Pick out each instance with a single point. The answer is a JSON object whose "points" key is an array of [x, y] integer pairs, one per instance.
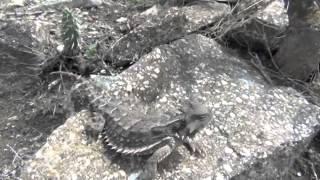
{"points": [[70, 33]]}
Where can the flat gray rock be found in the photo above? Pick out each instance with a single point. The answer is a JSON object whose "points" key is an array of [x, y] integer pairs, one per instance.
{"points": [[250, 118]]}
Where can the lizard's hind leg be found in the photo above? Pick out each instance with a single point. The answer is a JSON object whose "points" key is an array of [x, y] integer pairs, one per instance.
{"points": [[150, 169]]}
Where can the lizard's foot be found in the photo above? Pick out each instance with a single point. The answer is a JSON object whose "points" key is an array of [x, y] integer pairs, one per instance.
{"points": [[198, 151], [194, 148]]}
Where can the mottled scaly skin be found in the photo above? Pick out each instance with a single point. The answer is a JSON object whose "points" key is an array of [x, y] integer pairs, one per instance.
{"points": [[157, 134]]}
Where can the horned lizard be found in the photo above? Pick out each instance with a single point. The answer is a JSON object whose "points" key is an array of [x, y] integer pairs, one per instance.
{"points": [[131, 133]]}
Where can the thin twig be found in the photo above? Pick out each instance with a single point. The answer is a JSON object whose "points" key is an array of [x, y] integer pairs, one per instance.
{"points": [[249, 7], [314, 171], [16, 155], [256, 62], [66, 73]]}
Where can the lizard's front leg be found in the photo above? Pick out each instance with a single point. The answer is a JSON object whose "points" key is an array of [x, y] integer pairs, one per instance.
{"points": [[194, 147]]}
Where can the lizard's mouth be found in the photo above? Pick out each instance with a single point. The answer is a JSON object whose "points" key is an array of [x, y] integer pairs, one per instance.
{"points": [[194, 132]]}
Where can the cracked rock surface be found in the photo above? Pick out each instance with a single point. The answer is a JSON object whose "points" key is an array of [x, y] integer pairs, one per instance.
{"points": [[250, 117]]}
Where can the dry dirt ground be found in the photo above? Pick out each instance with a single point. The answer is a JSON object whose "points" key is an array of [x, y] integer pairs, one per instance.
{"points": [[29, 112]]}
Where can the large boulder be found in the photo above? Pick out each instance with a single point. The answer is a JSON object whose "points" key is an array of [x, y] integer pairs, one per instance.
{"points": [[156, 27], [251, 118]]}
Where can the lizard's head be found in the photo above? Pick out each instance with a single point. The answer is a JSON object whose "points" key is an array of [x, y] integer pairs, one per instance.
{"points": [[196, 116]]}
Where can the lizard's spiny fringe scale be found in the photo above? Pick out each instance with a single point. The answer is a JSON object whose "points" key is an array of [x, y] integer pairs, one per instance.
{"points": [[119, 150], [110, 141]]}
